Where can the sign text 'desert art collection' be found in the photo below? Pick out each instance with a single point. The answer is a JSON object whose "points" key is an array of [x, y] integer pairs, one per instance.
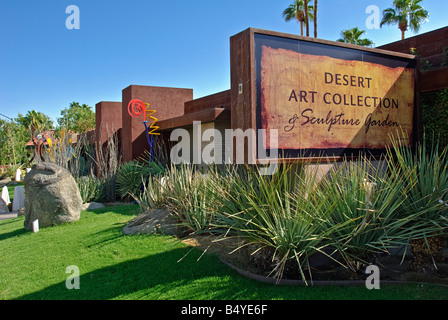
{"points": [[324, 98]]}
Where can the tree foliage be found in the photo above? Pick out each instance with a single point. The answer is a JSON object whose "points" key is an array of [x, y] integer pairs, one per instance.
{"points": [[353, 36], [296, 11], [77, 118], [15, 133], [35, 121], [13, 137], [407, 14]]}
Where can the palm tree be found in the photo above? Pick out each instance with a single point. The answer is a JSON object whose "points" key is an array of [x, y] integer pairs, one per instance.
{"points": [[315, 18], [36, 121], [307, 19], [353, 36], [407, 14], [296, 11]]}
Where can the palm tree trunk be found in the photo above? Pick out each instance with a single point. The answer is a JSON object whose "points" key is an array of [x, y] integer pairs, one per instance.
{"points": [[307, 23], [301, 28], [315, 18], [403, 25]]}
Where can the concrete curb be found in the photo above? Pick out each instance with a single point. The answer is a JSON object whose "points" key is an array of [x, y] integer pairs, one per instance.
{"points": [[290, 282]]}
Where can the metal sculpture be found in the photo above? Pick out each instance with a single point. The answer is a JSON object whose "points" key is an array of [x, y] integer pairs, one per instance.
{"points": [[136, 108]]}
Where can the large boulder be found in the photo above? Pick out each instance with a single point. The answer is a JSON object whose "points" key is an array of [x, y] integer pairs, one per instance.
{"points": [[92, 206], [52, 196], [151, 222]]}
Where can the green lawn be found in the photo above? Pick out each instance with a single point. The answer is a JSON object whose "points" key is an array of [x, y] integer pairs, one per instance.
{"points": [[115, 266]]}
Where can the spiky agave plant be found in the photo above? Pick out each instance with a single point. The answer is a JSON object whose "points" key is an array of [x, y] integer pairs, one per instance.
{"points": [[89, 188], [129, 178], [274, 212], [187, 195], [427, 182], [365, 211], [371, 208]]}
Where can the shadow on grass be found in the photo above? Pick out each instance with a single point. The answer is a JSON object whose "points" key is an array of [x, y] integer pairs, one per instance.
{"points": [[113, 234], [12, 234], [154, 277], [125, 209]]}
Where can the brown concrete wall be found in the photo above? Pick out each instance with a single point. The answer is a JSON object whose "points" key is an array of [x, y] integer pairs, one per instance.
{"points": [[108, 120], [430, 47], [219, 146], [218, 100], [168, 103]]}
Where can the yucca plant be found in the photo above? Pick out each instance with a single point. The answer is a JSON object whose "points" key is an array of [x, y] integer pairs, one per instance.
{"points": [[89, 188], [366, 212], [129, 178], [427, 171], [152, 195], [274, 214], [184, 192], [187, 196], [427, 184]]}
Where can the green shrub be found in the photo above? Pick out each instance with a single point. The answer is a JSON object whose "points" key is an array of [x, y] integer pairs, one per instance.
{"points": [[434, 117]]}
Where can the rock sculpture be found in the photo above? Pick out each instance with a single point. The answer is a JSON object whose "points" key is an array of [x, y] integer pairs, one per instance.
{"points": [[52, 196]]}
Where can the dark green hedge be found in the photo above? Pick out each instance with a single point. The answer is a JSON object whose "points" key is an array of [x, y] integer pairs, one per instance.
{"points": [[434, 116]]}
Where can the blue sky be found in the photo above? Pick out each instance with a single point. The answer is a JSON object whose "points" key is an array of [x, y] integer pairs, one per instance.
{"points": [[45, 66]]}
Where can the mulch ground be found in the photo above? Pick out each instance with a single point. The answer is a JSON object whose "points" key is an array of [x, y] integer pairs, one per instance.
{"points": [[393, 268]]}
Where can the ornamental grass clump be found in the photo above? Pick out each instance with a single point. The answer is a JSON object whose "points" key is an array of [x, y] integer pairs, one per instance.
{"points": [[358, 211], [427, 180]]}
